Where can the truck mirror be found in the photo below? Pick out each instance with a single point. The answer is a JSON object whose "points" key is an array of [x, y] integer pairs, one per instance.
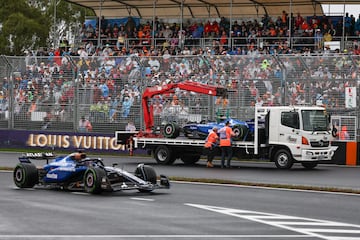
{"points": [[334, 131]]}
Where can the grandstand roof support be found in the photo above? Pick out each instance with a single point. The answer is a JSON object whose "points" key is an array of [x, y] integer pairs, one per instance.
{"points": [[129, 7], [257, 4], [211, 5], [184, 5], [99, 27]]}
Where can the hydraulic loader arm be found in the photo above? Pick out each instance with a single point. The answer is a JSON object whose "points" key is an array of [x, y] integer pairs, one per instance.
{"points": [[168, 88]]}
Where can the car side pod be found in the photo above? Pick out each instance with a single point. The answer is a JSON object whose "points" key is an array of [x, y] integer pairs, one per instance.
{"points": [[164, 181]]}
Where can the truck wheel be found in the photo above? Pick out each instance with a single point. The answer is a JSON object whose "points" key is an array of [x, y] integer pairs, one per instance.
{"points": [[25, 175], [92, 180], [283, 159], [189, 160], [309, 165], [171, 130], [164, 156], [240, 132]]}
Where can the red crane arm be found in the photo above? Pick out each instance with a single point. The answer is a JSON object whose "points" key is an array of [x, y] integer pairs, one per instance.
{"points": [[186, 85]]}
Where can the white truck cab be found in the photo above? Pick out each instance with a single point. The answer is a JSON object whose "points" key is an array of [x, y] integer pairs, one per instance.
{"points": [[294, 134]]}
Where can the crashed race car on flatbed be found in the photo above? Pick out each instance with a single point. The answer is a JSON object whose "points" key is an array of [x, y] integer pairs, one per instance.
{"points": [[76, 171], [242, 130]]}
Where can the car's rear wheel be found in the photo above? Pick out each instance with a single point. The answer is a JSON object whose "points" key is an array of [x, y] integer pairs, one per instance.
{"points": [[171, 130], [25, 175], [92, 180]]}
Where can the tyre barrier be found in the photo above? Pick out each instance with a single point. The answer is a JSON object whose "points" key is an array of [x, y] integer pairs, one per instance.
{"points": [[347, 153]]}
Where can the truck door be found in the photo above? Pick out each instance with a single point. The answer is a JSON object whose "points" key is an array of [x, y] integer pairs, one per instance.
{"points": [[289, 129]]}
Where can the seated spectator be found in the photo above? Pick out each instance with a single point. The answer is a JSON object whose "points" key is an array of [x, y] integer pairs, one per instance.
{"points": [[130, 127], [126, 106], [84, 125], [114, 108]]}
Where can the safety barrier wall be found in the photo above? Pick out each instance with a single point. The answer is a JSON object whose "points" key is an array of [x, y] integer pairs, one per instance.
{"points": [[69, 141], [347, 153]]}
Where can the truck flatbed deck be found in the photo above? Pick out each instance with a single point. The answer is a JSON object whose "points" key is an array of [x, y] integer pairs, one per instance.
{"points": [[183, 141]]}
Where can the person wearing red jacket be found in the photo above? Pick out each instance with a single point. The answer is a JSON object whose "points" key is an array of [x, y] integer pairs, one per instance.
{"points": [[210, 145]]}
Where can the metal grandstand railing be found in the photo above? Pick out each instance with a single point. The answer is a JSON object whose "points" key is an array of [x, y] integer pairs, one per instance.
{"points": [[294, 43], [53, 94]]}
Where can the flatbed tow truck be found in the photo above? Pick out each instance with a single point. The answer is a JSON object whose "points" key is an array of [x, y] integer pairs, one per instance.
{"points": [[282, 134]]}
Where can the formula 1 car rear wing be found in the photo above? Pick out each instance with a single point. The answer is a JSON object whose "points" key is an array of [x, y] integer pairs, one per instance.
{"points": [[25, 158]]}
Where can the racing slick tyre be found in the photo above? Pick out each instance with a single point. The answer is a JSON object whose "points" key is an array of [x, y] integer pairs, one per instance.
{"points": [[171, 130], [283, 159], [146, 173], [164, 156], [309, 165], [92, 180], [25, 175], [240, 132], [189, 160]]}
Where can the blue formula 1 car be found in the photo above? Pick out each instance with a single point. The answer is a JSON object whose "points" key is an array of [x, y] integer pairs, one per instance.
{"points": [[243, 130], [76, 171]]}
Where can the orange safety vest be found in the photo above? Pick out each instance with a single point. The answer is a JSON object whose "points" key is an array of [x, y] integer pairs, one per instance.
{"points": [[343, 135], [226, 140], [211, 139]]}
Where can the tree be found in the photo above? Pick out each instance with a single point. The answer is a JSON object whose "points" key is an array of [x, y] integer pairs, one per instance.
{"points": [[29, 24], [23, 27], [66, 17]]}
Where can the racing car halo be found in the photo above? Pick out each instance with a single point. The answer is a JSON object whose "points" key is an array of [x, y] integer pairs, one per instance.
{"points": [[76, 171]]}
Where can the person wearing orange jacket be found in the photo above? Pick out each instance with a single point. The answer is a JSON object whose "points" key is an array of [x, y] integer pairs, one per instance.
{"points": [[210, 145], [226, 133], [343, 134]]}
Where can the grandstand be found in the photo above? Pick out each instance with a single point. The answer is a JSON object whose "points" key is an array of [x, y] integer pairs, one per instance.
{"points": [[202, 24]]}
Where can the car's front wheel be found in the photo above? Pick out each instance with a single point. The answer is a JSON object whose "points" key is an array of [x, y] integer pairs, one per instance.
{"points": [[92, 180], [25, 175], [146, 173], [240, 132]]}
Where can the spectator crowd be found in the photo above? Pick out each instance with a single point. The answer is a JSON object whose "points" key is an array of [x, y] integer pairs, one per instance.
{"points": [[108, 80]]}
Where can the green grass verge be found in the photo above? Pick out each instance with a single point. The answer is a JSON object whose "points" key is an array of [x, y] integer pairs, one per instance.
{"points": [[6, 168], [269, 185]]}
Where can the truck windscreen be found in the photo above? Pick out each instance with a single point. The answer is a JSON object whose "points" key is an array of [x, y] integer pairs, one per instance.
{"points": [[315, 120]]}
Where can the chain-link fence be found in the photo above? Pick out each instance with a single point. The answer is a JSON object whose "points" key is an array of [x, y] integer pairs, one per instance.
{"points": [[55, 93]]}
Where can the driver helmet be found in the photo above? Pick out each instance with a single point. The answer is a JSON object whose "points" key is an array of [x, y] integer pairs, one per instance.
{"points": [[78, 156]]}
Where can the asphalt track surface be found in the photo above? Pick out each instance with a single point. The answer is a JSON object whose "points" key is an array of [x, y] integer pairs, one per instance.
{"points": [[186, 211]]}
